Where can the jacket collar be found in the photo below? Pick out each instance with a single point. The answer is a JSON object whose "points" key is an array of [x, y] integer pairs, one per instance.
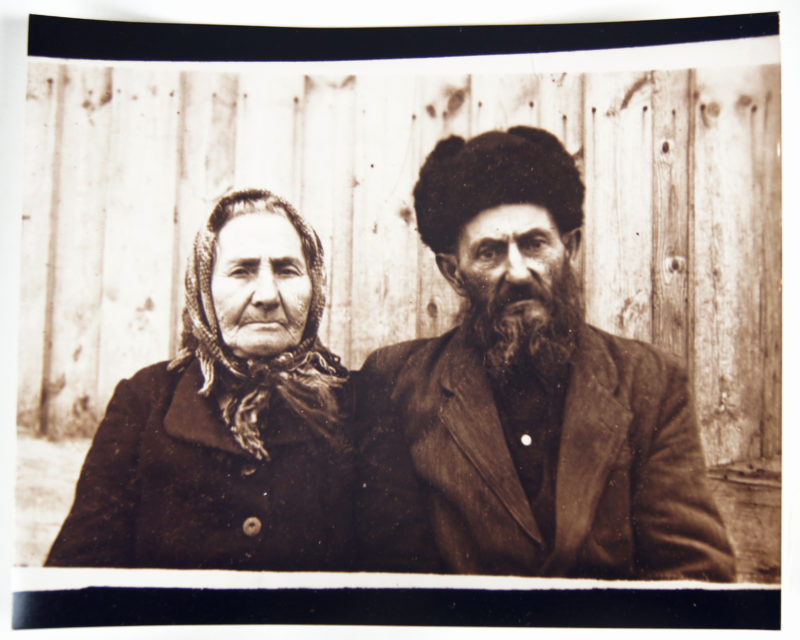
{"points": [[197, 419], [593, 428]]}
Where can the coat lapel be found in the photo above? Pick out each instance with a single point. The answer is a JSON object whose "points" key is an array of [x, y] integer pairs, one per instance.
{"points": [[196, 419], [594, 426], [470, 415]]}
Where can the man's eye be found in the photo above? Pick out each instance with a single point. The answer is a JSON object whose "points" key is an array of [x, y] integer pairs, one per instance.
{"points": [[532, 244], [239, 272], [487, 253]]}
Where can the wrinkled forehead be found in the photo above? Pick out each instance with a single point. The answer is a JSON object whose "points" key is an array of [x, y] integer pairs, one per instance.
{"points": [[258, 234], [253, 207], [506, 222]]}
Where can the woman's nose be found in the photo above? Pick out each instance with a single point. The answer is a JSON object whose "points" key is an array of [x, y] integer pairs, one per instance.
{"points": [[265, 292]]}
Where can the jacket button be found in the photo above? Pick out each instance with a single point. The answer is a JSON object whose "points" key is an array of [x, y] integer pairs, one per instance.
{"points": [[252, 526]]}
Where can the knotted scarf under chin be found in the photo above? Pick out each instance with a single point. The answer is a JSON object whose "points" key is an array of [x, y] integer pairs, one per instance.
{"points": [[309, 388]]}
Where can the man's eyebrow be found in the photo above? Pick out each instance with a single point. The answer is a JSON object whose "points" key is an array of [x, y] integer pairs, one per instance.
{"points": [[488, 242], [532, 233]]}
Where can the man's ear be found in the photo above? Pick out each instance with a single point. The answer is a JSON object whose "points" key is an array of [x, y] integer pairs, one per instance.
{"points": [[448, 265], [572, 242]]}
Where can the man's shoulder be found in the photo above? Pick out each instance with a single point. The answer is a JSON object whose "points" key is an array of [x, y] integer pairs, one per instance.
{"points": [[636, 362], [392, 358], [629, 348]]}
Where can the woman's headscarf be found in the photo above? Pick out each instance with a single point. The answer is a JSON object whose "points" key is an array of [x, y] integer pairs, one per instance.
{"points": [[305, 376]]}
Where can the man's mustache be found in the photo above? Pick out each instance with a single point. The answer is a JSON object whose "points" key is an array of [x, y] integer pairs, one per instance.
{"points": [[512, 294]]}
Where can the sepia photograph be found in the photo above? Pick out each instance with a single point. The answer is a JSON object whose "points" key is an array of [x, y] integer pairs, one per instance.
{"points": [[513, 317]]}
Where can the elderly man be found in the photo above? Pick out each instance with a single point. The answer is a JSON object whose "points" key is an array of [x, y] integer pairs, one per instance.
{"points": [[525, 441]]}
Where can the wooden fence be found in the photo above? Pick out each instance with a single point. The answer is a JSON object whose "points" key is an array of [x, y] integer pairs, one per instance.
{"points": [[123, 163]]}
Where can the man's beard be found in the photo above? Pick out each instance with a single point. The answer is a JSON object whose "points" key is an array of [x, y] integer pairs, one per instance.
{"points": [[516, 338]]}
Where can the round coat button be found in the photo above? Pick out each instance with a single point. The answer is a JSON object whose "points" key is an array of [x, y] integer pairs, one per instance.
{"points": [[252, 526]]}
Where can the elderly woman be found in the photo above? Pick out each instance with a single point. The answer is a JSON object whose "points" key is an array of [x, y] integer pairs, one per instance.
{"points": [[235, 454]]}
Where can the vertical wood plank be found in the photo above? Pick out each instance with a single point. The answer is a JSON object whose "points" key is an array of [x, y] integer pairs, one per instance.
{"points": [[135, 317], [560, 109], [385, 239], [618, 230], [728, 254], [442, 110], [327, 195], [503, 101], [671, 114], [40, 143], [265, 132], [770, 211], [205, 165], [70, 376], [553, 102]]}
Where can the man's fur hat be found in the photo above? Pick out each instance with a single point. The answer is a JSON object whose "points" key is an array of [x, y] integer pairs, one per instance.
{"points": [[523, 165]]}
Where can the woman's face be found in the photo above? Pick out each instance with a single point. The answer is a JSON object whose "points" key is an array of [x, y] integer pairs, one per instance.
{"points": [[260, 285]]}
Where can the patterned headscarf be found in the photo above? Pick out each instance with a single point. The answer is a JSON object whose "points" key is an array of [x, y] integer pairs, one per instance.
{"points": [[305, 376]]}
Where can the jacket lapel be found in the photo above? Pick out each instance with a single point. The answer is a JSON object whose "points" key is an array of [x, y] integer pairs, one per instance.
{"points": [[195, 418], [594, 427], [470, 415], [198, 419]]}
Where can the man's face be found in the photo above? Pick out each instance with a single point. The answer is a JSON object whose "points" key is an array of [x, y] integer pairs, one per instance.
{"points": [[260, 285], [513, 266], [508, 257]]}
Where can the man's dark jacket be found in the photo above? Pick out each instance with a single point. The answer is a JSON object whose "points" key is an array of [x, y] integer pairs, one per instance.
{"points": [[439, 491]]}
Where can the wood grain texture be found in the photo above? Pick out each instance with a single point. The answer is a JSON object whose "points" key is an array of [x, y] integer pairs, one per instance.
{"points": [[70, 378], [135, 310], [671, 117], [728, 246], [327, 200], [769, 176], [385, 240], [681, 242], [560, 110], [206, 152], [442, 110], [504, 101], [41, 133], [266, 134], [618, 228]]}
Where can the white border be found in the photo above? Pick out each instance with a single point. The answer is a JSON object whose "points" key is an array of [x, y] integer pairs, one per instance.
{"points": [[13, 25]]}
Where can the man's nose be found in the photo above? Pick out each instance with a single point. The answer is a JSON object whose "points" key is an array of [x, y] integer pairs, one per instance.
{"points": [[517, 267], [265, 291]]}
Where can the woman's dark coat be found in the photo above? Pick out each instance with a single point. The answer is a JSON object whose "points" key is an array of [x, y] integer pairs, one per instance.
{"points": [[165, 485]]}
